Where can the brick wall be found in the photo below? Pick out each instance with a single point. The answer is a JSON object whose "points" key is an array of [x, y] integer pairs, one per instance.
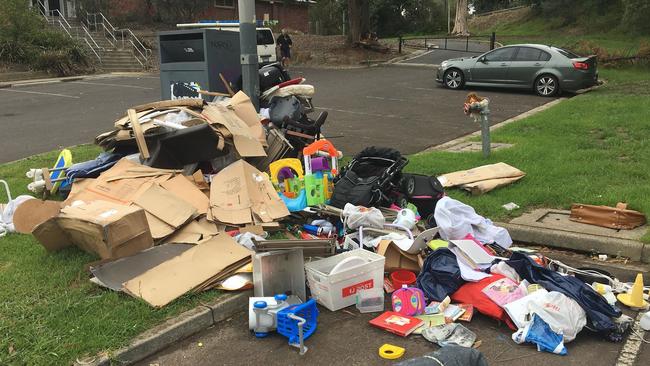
{"points": [[293, 16]]}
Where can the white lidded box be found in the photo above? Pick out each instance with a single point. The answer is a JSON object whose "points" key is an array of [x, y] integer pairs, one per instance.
{"points": [[334, 281]]}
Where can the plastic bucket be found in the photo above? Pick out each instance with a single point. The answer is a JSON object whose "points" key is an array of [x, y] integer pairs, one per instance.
{"points": [[402, 277]]}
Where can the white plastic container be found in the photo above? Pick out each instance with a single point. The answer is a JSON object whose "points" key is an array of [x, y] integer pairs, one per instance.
{"points": [[370, 301], [334, 281]]}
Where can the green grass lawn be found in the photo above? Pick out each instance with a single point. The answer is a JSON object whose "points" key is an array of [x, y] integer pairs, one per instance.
{"points": [[592, 148], [50, 313]]}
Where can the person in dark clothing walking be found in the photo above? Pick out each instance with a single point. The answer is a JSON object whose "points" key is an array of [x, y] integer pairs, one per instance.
{"points": [[285, 44]]}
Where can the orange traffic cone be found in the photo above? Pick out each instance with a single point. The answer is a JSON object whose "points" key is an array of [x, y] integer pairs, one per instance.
{"points": [[634, 298]]}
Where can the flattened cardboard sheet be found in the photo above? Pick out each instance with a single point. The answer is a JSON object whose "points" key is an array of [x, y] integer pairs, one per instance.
{"points": [[196, 268], [114, 274]]}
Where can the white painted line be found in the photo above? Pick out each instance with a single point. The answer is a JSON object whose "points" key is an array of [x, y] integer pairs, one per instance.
{"points": [[116, 85], [382, 98], [420, 55], [632, 346], [361, 113], [414, 88], [41, 93]]}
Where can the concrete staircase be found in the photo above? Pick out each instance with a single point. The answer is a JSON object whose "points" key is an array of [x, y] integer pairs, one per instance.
{"points": [[111, 55]]}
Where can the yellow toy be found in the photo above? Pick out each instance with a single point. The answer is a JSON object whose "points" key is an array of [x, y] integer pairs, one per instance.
{"points": [[390, 352], [634, 298]]}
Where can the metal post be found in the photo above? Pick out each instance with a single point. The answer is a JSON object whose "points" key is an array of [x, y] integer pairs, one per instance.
{"points": [[485, 134], [445, 42], [493, 39], [248, 46], [425, 44], [399, 47], [467, 44], [448, 18]]}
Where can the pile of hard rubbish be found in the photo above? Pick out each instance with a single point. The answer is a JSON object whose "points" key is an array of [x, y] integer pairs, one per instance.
{"points": [[190, 196]]}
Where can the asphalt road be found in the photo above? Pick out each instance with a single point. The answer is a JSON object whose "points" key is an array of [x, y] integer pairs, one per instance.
{"points": [[400, 107], [344, 337]]}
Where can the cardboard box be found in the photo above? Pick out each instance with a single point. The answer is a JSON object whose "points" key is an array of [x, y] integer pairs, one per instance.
{"points": [[246, 143], [107, 229], [241, 194], [245, 110], [396, 258]]}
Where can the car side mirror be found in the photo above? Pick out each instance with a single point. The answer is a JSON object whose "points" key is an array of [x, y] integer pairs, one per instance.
{"points": [[482, 60]]}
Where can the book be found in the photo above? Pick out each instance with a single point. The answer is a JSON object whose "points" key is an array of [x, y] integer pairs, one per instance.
{"points": [[468, 314], [432, 320], [473, 251], [504, 291], [397, 323], [453, 312], [436, 307]]}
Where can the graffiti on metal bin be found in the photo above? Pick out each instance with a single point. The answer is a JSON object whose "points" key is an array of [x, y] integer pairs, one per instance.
{"points": [[223, 45], [183, 90]]}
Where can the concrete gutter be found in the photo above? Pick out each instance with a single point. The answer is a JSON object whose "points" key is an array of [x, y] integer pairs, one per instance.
{"points": [[633, 249], [174, 330]]}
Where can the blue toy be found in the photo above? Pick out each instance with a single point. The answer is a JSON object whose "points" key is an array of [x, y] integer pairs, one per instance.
{"points": [[296, 322]]}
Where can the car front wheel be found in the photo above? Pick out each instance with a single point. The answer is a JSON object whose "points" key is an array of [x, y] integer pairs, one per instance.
{"points": [[546, 86], [453, 79]]}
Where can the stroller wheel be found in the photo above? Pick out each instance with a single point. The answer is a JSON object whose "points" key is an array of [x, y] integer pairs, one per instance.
{"points": [[402, 202], [409, 185], [431, 222]]}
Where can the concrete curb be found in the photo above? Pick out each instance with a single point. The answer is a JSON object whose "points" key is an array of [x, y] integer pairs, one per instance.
{"points": [[404, 64], [176, 329], [26, 82], [635, 250]]}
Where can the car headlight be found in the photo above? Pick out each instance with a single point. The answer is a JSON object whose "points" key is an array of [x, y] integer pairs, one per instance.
{"points": [[444, 64]]}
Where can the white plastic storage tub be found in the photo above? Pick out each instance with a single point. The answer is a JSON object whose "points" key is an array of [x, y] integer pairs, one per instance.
{"points": [[334, 281]]}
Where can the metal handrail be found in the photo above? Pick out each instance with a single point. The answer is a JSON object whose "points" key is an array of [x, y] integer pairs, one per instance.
{"points": [[67, 28], [125, 35], [91, 37], [93, 50]]}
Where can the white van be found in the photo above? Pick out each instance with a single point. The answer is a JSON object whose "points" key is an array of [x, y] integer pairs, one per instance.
{"points": [[266, 46]]}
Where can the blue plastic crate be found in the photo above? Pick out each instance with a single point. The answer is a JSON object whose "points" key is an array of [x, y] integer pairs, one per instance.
{"points": [[289, 327]]}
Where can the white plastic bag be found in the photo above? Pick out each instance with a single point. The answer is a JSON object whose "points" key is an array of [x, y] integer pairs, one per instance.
{"points": [[356, 216], [455, 220], [563, 314], [246, 239], [7, 216], [504, 269]]}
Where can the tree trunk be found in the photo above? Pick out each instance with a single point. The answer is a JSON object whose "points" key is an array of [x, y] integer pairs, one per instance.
{"points": [[359, 17], [460, 22]]}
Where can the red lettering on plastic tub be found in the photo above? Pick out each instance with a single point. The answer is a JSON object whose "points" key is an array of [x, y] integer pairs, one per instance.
{"points": [[351, 290]]}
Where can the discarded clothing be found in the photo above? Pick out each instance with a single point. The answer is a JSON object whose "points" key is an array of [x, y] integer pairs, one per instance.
{"points": [[440, 275], [449, 356], [455, 220], [92, 168], [472, 293], [450, 334], [538, 332], [599, 312]]}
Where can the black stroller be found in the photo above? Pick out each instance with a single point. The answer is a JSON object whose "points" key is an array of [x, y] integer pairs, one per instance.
{"points": [[372, 178]]}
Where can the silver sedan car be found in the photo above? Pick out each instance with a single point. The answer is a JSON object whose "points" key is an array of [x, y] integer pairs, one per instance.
{"points": [[546, 69]]}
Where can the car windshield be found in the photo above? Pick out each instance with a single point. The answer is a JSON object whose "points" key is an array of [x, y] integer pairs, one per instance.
{"points": [[264, 36], [566, 53]]}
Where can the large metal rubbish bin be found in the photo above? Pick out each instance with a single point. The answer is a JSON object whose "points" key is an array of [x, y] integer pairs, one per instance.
{"points": [[191, 60]]}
